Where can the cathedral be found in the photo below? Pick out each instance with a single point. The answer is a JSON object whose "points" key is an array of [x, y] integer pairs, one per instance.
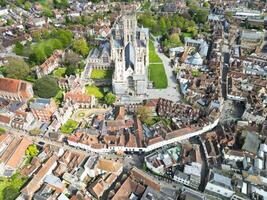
{"points": [[129, 52]]}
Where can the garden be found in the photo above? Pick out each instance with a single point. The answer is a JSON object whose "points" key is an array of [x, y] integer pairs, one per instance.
{"points": [[158, 76], [69, 126], [10, 187], [95, 91], [156, 69], [101, 74], [59, 72], [153, 56]]}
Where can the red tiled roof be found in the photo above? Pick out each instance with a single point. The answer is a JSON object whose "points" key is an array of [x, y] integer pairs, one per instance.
{"points": [[9, 85], [132, 141], [3, 137], [36, 181], [155, 140], [18, 154], [78, 97], [121, 113], [129, 186], [14, 86], [139, 131], [152, 103], [52, 59], [180, 132], [113, 125], [5, 119], [145, 178], [109, 165]]}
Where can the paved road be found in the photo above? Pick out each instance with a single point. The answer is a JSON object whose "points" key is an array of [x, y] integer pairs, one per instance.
{"points": [[37, 139], [171, 91]]}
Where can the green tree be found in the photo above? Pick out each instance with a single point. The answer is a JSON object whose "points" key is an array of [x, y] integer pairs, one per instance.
{"points": [[201, 16], [46, 87], [47, 12], [37, 56], [228, 15], [65, 36], [2, 3], [37, 36], [80, 46], [206, 4], [110, 98], [32, 151], [61, 3], [70, 70], [144, 114], [163, 25], [175, 39], [10, 193], [19, 2], [48, 50], [9, 22], [27, 5], [16, 68], [18, 49]]}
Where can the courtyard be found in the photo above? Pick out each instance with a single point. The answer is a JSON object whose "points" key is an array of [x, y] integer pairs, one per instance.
{"points": [[156, 71], [170, 91], [101, 74], [81, 114], [96, 91]]}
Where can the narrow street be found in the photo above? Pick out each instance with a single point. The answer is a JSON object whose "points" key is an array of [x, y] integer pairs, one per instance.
{"points": [[37, 139]]}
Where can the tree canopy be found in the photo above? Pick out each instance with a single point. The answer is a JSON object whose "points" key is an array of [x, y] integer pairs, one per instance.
{"points": [[70, 70], [16, 68], [47, 42], [46, 87], [18, 48], [80, 46], [61, 3], [110, 98], [10, 193], [32, 151], [144, 114]]}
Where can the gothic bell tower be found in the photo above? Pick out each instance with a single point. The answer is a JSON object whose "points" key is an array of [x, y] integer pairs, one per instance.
{"points": [[129, 27]]}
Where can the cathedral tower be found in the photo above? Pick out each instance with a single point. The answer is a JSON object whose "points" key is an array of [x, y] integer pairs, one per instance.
{"points": [[129, 50]]}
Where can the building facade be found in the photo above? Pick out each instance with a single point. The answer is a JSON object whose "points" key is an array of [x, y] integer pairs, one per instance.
{"points": [[129, 52]]}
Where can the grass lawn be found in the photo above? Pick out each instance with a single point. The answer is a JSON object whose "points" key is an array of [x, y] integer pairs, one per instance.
{"points": [[10, 187], [69, 126], [184, 34], [156, 71], [2, 130], [59, 97], [158, 76], [153, 56], [101, 74], [30, 78], [96, 91], [59, 72]]}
